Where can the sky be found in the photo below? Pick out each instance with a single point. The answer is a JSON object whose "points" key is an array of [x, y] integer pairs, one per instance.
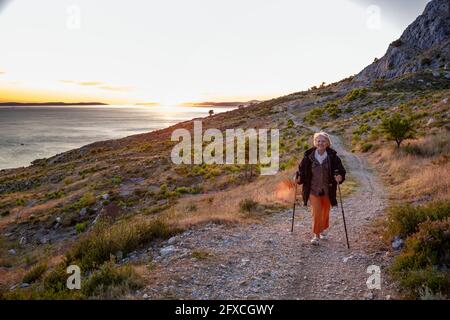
{"points": [[175, 51]]}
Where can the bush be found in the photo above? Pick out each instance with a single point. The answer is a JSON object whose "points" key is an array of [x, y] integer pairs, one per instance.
{"points": [[356, 94], [104, 240], [35, 273], [110, 282], [81, 227], [68, 181], [248, 205], [290, 123], [332, 109], [397, 128], [182, 190], [405, 219], [423, 264], [366, 147]]}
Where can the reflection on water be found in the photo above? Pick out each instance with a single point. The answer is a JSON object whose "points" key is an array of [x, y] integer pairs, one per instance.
{"points": [[29, 133]]}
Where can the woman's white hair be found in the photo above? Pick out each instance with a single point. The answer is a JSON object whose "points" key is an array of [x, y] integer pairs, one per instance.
{"points": [[322, 134]]}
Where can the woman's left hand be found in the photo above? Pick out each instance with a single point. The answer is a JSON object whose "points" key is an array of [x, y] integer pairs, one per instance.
{"points": [[338, 178]]}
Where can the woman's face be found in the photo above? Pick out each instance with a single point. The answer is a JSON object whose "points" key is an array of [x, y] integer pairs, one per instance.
{"points": [[321, 143]]}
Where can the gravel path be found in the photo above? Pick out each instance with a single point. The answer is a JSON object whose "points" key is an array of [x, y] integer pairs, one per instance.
{"points": [[267, 261]]}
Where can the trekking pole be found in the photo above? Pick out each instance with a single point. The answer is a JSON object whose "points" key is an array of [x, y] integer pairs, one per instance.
{"points": [[295, 198], [342, 208]]}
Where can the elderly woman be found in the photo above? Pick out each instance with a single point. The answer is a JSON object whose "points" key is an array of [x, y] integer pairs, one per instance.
{"points": [[319, 172]]}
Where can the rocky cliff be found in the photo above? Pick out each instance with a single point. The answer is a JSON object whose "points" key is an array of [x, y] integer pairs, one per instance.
{"points": [[425, 44]]}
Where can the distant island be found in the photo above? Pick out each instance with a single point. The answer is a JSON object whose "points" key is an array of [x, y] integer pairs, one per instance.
{"points": [[52, 104], [220, 104], [148, 104]]}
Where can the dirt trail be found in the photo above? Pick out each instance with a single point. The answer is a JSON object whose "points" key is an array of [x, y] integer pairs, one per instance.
{"points": [[267, 261]]}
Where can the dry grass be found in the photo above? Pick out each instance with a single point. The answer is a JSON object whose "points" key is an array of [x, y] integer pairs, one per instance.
{"points": [[419, 171], [223, 206]]}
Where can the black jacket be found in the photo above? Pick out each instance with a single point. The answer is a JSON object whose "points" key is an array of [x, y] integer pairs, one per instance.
{"points": [[305, 172]]}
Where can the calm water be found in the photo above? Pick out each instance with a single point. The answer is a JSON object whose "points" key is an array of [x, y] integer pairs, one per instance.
{"points": [[29, 133]]}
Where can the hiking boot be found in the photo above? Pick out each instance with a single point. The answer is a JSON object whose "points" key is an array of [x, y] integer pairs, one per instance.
{"points": [[323, 236]]}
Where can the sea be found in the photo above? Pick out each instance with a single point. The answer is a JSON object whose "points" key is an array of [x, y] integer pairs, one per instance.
{"points": [[35, 132]]}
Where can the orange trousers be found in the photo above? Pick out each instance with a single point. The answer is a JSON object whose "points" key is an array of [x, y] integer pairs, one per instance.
{"points": [[320, 209]]}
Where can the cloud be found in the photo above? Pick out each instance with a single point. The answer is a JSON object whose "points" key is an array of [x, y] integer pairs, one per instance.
{"points": [[90, 83], [99, 85], [116, 88]]}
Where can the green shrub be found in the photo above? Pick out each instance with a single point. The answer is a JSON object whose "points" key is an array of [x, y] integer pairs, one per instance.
{"points": [[81, 227], [104, 240], [110, 282], [424, 262], [68, 181], [116, 180], [55, 195], [356, 94], [332, 109], [182, 190], [35, 273], [398, 128], [405, 219], [290, 123], [366, 147]]}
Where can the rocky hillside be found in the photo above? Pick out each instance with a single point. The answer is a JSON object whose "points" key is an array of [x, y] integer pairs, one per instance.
{"points": [[424, 45], [107, 205]]}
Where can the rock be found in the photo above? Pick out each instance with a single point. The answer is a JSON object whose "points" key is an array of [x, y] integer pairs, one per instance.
{"points": [[58, 219], [12, 251], [24, 285], [430, 121], [83, 212], [429, 32], [145, 296], [398, 243], [167, 251], [23, 241], [345, 259], [369, 296], [172, 240], [435, 73], [445, 100], [43, 240], [105, 196], [244, 261], [119, 255], [388, 297]]}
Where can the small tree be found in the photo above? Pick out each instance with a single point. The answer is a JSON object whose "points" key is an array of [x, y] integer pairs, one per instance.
{"points": [[397, 128], [211, 112]]}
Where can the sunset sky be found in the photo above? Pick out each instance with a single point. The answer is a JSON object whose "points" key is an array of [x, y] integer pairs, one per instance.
{"points": [[174, 51]]}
